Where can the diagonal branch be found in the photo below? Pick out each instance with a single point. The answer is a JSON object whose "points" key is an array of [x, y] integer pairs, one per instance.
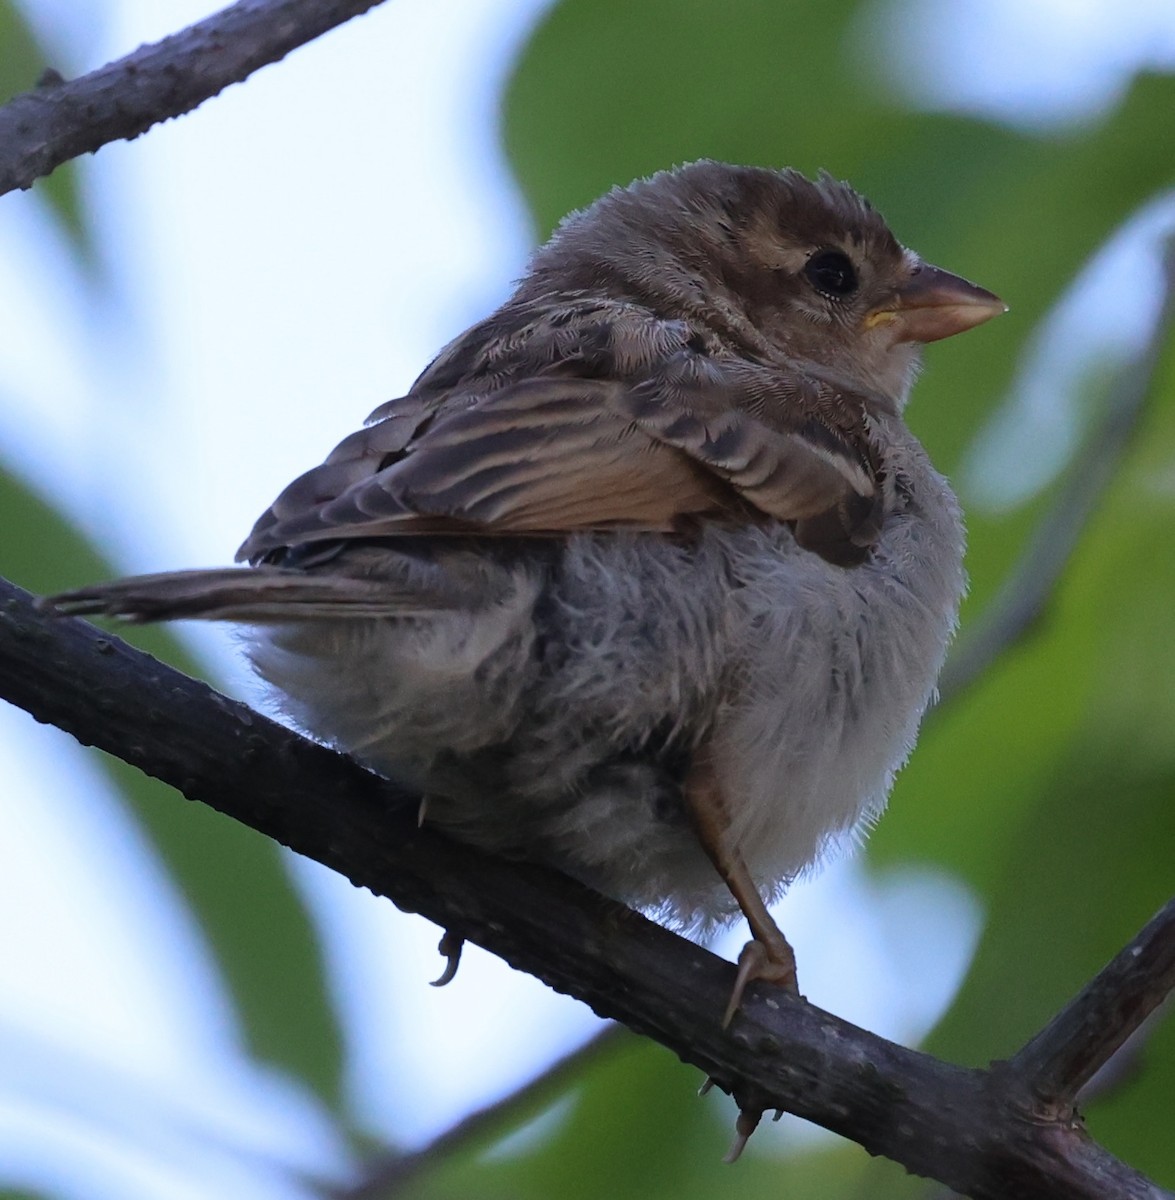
{"points": [[57, 121], [984, 1133], [1064, 1056]]}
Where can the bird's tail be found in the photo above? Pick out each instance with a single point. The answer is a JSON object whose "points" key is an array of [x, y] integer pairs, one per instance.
{"points": [[261, 595]]}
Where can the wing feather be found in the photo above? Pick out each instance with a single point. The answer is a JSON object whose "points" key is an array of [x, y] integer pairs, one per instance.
{"points": [[695, 437]]}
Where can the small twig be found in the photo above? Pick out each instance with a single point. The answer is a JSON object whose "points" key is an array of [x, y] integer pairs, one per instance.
{"points": [[389, 1174], [57, 121], [1029, 589], [1093, 1045], [1086, 1032]]}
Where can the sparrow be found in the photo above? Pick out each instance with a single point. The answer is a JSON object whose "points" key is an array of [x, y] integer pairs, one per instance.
{"points": [[645, 578]]}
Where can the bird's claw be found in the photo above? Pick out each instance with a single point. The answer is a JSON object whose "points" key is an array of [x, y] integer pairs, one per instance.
{"points": [[756, 961], [747, 1123], [450, 946]]}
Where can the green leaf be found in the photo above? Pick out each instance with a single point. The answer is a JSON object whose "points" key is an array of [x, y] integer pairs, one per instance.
{"points": [[234, 880]]}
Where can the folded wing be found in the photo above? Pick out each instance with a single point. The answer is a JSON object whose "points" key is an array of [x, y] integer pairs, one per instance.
{"points": [[695, 438]]}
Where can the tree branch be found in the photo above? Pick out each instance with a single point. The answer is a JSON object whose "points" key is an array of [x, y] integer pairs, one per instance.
{"points": [[57, 121], [984, 1133], [1067, 1053]]}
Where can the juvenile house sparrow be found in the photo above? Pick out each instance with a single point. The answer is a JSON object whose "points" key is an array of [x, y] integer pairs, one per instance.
{"points": [[645, 578]]}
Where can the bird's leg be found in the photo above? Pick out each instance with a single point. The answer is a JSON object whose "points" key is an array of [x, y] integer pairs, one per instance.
{"points": [[768, 956]]}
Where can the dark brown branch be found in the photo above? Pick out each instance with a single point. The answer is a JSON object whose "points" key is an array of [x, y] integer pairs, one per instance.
{"points": [[1067, 1053], [1127, 1063], [1029, 589], [983, 1133], [57, 121]]}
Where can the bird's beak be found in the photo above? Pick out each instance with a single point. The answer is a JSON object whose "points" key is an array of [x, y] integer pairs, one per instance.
{"points": [[935, 304]]}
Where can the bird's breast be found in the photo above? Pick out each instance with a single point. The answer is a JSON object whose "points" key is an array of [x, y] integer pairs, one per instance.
{"points": [[837, 668]]}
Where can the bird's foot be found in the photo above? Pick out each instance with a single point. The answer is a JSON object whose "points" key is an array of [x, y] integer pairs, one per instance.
{"points": [[771, 963]]}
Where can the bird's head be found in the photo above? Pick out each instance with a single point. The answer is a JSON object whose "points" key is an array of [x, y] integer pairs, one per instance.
{"points": [[774, 263]]}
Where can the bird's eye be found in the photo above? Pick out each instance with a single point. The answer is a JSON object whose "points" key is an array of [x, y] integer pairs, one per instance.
{"points": [[832, 273]]}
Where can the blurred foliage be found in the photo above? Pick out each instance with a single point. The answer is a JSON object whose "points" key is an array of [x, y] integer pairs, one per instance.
{"points": [[1048, 787], [633, 1126], [233, 879], [22, 62]]}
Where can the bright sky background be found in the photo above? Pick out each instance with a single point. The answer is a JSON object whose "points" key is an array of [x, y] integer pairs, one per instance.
{"points": [[285, 259]]}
